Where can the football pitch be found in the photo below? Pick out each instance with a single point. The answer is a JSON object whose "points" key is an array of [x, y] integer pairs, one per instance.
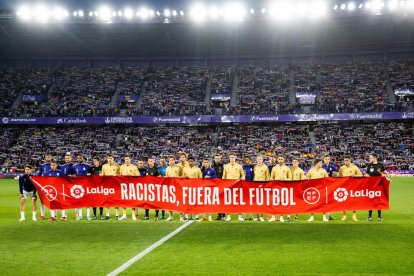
{"points": [[249, 247]]}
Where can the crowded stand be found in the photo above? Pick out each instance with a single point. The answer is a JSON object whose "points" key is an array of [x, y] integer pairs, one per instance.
{"points": [[174, 91], [392, 141], [263, 90], [163, 91]]}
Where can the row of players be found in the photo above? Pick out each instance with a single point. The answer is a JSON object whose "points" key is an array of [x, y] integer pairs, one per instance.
{"points": [[187, 168]]}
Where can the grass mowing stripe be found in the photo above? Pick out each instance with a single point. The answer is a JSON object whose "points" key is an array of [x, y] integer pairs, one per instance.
{"points": [[149, 249]]}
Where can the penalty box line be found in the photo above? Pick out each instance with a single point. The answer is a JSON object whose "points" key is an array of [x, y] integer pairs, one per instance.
{"points": [[149, 249]]}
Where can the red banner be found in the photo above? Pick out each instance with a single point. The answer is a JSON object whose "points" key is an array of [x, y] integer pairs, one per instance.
{"points": [[215, 195]]}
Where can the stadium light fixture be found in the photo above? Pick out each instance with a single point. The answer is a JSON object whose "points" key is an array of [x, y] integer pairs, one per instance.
{"points": [[213, 13], [128, 13], [182, 13], [80, 13], [59, 14], [351, 6], [263, 11], [392, 5], [158, 13], [41, 14], [317, 10], [167, 13], [234, 12], [301, 9], [174, 13], [143, 13], [343, 6], [120, 13], [75, 13], [151, 13], [251, 11], [282, 11], [335, 7], [361, 6], [24, 13], [198, 13], [104, 13]]}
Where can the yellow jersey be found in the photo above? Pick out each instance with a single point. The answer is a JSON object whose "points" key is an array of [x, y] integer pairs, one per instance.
{"points": [[130, 170], [350, 170], [174, 171], [261, 173], [281, 173], [192, 172], [314, 173], [297, 174], [110, 170], [233, 171]]}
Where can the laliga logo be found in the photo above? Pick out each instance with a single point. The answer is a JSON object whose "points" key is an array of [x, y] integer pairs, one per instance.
{"points": [[155, 119], [5, 120], [50, 192], [77, 191], [340, 194]]}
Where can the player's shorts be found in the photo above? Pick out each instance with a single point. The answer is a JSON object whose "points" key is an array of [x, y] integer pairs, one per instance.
{"points": [[31, 194]]}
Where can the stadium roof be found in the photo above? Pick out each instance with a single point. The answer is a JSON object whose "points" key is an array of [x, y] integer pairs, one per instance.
{"points": [[255, 38]]}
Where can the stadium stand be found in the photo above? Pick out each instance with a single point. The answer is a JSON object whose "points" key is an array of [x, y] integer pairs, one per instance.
{"points": [[390, 140], [340, 87]]}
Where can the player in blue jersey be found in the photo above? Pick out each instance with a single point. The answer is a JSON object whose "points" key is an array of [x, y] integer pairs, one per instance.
{"points": [[248, 169], [67, 170], [81, 169], [207, 172], [42, 170], [27, 188], [162, 169], [55, 172], [331, 169]]}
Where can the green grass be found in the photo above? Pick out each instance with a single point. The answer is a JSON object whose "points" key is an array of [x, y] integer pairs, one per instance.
{"points": [[85, 247]]}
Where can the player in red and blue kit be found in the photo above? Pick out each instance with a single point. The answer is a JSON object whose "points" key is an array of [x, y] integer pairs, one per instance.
{"points": [[81, 169], [330, 168]]}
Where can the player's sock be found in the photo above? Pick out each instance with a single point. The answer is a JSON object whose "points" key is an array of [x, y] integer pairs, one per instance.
{"points": [[379, 214], [107, 212], [79, 212], [22, 215], [42, 210], [88, 212], [100, 211], [52, 213], [63, 213], [34, 215], [124, 212], [117, 212]]}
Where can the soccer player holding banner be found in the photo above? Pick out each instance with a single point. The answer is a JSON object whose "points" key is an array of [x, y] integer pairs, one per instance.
{"points": [[173, 170], [110, 169], [209, 173], [297, 175], [260, 173], [192, 171], [233, 170], [42, 171], [317, 172], [348, 169], [375, 168], [127, 169], [280, 172], [81, 169]]}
